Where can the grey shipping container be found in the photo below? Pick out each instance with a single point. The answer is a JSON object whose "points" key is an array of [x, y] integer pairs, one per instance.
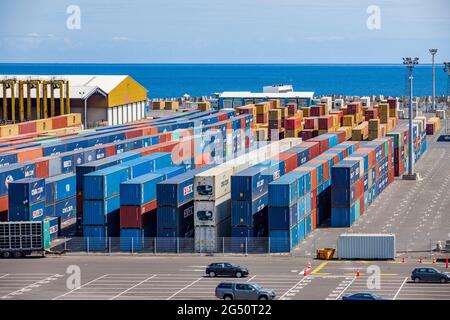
{"points": [[211, 238], [54, 166], [366, 246], [211, 213]]}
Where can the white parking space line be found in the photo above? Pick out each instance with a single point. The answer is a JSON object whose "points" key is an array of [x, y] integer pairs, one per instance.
{"points": [[348, 285], [131, 288], [17, 286], [296, 285], [399, 289], [189, 285], [80, 287], [251, 278]]}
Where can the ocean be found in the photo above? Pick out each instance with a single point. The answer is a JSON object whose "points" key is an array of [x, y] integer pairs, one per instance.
{"points": [[175, 80]]}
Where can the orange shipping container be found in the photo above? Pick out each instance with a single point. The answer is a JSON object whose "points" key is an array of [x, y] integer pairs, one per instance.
{"points": [[59, 122], [28, 154]]}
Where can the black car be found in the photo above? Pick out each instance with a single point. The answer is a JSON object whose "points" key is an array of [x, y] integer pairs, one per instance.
{"points": [[429, 275], [226, 269]]}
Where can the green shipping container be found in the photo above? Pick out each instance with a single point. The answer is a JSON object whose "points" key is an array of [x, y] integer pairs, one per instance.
{"points": [[46, 234]]}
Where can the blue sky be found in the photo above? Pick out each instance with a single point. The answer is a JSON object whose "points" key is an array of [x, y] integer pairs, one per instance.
{"points": [[226, 31]]}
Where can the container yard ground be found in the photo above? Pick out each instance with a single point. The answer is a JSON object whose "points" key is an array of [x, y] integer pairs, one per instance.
{"points": [[417, 212], [165, 277]]}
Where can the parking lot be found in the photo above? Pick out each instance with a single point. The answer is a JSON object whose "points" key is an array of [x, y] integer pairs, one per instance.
{"points": [[183, 278]]}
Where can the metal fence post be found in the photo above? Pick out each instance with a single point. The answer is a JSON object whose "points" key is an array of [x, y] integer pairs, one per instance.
{"points": [[154, 245], [178, 245], [109, 245], [65, 243], [431, 248], [223, 245], [268, 247], [132, 245], [87, 244]]}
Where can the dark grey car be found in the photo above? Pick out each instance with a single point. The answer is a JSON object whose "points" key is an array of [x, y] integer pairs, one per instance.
{"points": [[243, 291], [429, 274]]}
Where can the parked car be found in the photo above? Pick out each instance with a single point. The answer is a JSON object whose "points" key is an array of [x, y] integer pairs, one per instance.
{"points": [[358, 296], [226, 269], [429, 274], [243, 291]]}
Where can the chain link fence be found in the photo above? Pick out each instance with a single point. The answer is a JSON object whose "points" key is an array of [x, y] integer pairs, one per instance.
{"points": [[307, 248]]}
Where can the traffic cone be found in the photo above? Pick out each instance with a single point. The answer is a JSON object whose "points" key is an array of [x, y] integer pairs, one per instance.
{"points": [[420, 259], [434, 259], [309, 265], [305, 272], [357, 273], [403, 259]]}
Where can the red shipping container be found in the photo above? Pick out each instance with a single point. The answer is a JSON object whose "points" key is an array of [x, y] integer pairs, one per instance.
{"points": [[307, 134], [290, 160], [316, 111], [80, 203], [4, 203], [359, 188], [133, 133], [294, 122], [164, 137], [42, 170], [371, 114], [341, 136], [313, 219], [59, 122], [292, 108], [314, 150], [311, 123], [28, 154], [110, 150], [261, 118], [27, 127], [354, 107], [222, 117], [323, 143], [325, 122], [314, 198], [361, 205], [132, 216]]}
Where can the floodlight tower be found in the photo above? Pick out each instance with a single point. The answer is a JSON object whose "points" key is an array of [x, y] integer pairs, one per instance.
{"points": [[433, 95], [410, 63]]}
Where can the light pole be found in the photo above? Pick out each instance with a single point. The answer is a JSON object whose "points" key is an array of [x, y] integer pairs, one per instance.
{"points": [[410, 63], [433, 101], [447, 70], [85, 109]]}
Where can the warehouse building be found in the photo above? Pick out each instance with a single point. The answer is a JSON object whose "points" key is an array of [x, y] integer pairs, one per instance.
{"points": [[284, 93], [101, 99]]}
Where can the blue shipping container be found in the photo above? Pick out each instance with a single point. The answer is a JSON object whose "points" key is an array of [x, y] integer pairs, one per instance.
{"points": [[29, 212], [26, 191], [106, 182], [96, 212], [140, 190], [60, 187], [248, 184]]}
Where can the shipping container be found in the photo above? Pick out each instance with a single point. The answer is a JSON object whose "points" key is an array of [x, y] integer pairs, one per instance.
{"points": [[248, 184], [180, 220], [105, 183], [60, 187], [179, 189], [242, 211], [367, 246], [140, 190], [212, 212], [28, 212], [26, 191], [100, 212], [139, 216], [210, 238]]}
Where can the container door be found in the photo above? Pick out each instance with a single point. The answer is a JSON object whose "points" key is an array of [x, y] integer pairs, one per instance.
{"points": [[120, 114]]}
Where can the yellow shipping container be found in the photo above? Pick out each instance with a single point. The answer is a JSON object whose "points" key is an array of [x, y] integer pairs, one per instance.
{"points": [[374, 124], [262, 108], [349, 120], [347, 130], [43, 125], [73, 119], [275, 114], [9, 130], [171, 105], [158, 105], [374, 134], [204, 106], [306, 111], [361, 132]]}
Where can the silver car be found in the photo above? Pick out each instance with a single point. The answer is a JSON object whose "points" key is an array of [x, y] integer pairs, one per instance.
{"points": [[243, 291]]}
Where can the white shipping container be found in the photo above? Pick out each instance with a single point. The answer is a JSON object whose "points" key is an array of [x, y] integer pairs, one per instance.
{"points": [[210, 238], [211, 213], [366, 246], [338, 104], [327, 101], [213, 184], [54, 166]]}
